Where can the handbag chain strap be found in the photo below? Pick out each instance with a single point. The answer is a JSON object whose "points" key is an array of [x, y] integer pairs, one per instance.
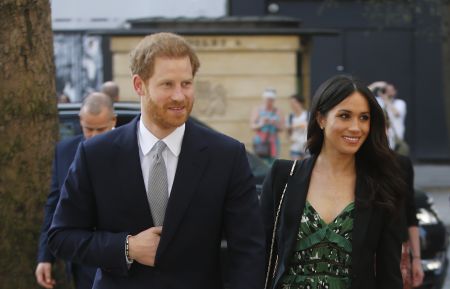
{"points": [[272, 243]]}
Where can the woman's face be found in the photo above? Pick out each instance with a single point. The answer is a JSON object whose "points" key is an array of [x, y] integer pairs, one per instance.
{"points": [[347, 125]]}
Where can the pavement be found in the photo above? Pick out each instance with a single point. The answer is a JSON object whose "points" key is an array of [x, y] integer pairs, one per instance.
{"points": [[432, 177]]}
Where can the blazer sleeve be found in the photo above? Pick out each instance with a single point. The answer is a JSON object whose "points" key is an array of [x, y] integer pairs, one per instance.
{"points": [[411, 210], [243, 227], [73, 235], [44, 254], [388, 274]]}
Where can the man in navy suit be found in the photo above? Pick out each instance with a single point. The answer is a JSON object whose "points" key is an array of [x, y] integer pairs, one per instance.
{"points": [[96, 116], [155, 231]]}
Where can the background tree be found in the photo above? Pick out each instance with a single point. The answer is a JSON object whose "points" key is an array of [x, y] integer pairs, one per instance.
{"points": [[28, 130]]}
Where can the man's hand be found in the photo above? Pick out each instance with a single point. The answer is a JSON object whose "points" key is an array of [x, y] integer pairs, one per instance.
{"points": [[142, 247], [44, 275]]}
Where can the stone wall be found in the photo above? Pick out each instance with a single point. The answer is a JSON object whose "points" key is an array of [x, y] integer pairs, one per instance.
{"points": [[234, 71]]}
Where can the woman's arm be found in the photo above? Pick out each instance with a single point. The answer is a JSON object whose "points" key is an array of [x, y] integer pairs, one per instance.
{"points": [[417, 271], [388, 274], [280, 123]]}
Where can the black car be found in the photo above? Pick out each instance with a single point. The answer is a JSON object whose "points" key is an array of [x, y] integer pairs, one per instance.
{"points": [[433, 233], [433, 242]]}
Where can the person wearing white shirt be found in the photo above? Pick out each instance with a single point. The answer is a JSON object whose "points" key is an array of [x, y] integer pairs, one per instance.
{"points": [[395, 109], [297, 124]]}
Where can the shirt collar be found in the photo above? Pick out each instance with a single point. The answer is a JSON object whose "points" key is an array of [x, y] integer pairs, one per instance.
{"points": [[173, 141]]}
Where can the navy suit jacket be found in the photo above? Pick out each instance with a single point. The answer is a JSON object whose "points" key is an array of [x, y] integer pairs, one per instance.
{"points": [[104, 199], [64, 155]]}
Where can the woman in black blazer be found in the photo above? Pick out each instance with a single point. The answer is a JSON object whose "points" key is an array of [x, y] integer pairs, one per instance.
{"points": [[335, 224]]}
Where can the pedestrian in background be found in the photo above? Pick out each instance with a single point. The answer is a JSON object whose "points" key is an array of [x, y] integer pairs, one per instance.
{"points": [[297, 125], [395, 109], [112, 89], [63, 99], [411, 264], [96, 116], [267, 122], [332, 220]]}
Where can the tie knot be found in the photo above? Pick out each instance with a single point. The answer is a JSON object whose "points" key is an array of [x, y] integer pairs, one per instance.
{"points": [[160, 146]]}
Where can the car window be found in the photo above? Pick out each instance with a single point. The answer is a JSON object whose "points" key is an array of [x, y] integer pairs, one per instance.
{"points": [[69, 125]]}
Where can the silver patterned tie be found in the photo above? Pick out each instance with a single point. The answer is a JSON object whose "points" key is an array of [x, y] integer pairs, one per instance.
{"points": [[158, 192]]}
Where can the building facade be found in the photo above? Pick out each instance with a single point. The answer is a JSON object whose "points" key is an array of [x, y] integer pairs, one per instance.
{"points": [[379, 43]]}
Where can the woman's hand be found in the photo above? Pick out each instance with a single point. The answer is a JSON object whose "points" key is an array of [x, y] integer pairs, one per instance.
{"points": [[417, 272]]}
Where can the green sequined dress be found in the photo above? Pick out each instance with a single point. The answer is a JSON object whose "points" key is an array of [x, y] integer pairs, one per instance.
{"points": [[322, 254]]}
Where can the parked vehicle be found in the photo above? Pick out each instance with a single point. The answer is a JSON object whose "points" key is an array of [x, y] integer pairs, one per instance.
{"points": [[433, 242], [433, 233]]}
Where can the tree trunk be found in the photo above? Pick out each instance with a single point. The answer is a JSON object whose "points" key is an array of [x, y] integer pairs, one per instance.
{"points": [[28, 130]]}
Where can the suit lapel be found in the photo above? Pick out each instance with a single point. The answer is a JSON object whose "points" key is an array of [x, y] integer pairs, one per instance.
{"points": [[293, 205], [363, 213], [191, 165], [129, 174]]}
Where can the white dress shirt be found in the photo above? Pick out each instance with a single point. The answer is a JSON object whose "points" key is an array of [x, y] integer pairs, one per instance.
{"points": [[147, 141]]}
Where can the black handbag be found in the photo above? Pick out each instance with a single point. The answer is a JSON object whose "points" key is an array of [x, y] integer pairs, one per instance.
{"points": [[273, 255]]}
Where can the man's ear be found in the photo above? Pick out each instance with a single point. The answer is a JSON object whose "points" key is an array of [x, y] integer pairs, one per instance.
{"points": [[114, 120], [138, 85]]}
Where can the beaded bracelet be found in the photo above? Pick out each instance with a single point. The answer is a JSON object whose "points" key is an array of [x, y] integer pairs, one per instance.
{"points": [[127, 250]]}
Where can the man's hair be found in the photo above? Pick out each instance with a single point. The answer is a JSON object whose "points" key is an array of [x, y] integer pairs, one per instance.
{"points": [[169, 45], [95, 102], [112, 89]]}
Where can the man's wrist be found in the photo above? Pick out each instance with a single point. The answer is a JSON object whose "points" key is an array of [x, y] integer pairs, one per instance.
{"points": [[127, 250]]}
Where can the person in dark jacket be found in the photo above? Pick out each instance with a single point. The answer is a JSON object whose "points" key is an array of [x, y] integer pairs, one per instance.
{"points": [[335, 224], [411, 265], [159, 192], [96, 116]]}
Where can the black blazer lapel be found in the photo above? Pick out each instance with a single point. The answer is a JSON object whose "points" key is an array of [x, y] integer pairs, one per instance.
{"points": [[294, 203], [191, 165], [363, 213], [129, 173], [293, 207]]}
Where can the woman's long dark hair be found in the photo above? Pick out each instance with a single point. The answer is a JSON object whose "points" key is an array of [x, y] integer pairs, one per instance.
{"points": [[376, 164]]}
